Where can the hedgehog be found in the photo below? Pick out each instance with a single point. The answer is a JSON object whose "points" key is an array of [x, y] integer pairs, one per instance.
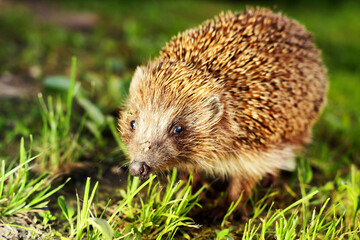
{"points": [[235, 97]]}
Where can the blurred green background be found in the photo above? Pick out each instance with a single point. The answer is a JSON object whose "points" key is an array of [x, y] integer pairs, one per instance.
{"points": [[110, 38]]}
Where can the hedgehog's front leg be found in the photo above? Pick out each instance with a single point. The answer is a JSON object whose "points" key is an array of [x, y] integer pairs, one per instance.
{"points": [[239, 187]]}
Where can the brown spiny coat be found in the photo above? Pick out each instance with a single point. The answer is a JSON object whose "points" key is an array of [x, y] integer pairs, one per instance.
{"points": [[245, 89]]}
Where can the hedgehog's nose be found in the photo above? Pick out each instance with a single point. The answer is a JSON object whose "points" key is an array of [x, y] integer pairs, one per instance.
{"points": [[139, 169]]}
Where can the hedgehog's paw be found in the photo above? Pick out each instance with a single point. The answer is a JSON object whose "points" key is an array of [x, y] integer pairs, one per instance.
{"points": [[269, 180], [237, 193]]}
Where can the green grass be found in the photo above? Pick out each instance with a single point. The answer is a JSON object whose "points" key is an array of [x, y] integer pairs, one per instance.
{"points": [[73, 122], [311, 217], [156, 215], [19, 191], [159, 216], [59, 145]]}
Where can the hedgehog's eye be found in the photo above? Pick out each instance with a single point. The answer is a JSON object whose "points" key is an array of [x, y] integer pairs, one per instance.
{"points": [[132, 124], [177, 129]]}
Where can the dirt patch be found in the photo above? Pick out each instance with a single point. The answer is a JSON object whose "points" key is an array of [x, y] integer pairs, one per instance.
{"points": [[17, 86], [23, 226], [47, 13]]}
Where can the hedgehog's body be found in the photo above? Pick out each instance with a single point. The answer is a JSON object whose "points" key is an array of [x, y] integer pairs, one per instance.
{"points": [[235, 97]]}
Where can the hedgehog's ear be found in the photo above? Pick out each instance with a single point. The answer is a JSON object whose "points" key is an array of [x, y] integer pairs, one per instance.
{"points": [[137, 77], [216, 108]]}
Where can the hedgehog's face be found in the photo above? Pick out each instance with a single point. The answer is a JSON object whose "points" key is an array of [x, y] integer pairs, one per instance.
{"points": [[155, 141], [162, 130]]}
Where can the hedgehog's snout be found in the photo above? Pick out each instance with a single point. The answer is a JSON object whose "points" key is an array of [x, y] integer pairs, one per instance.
{"points": [[139, 169]]}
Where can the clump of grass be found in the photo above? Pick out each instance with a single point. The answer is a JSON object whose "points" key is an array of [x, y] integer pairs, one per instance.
{"points": [[350, 196], [59, 146], [86, 214], [157, 215], [337, 217], [80, 223], [62, 137], [288, 223], [20, 193], [311, 217]]}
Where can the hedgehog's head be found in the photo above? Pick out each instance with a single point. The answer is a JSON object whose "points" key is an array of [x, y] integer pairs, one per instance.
{"points": [[172, 113]]}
